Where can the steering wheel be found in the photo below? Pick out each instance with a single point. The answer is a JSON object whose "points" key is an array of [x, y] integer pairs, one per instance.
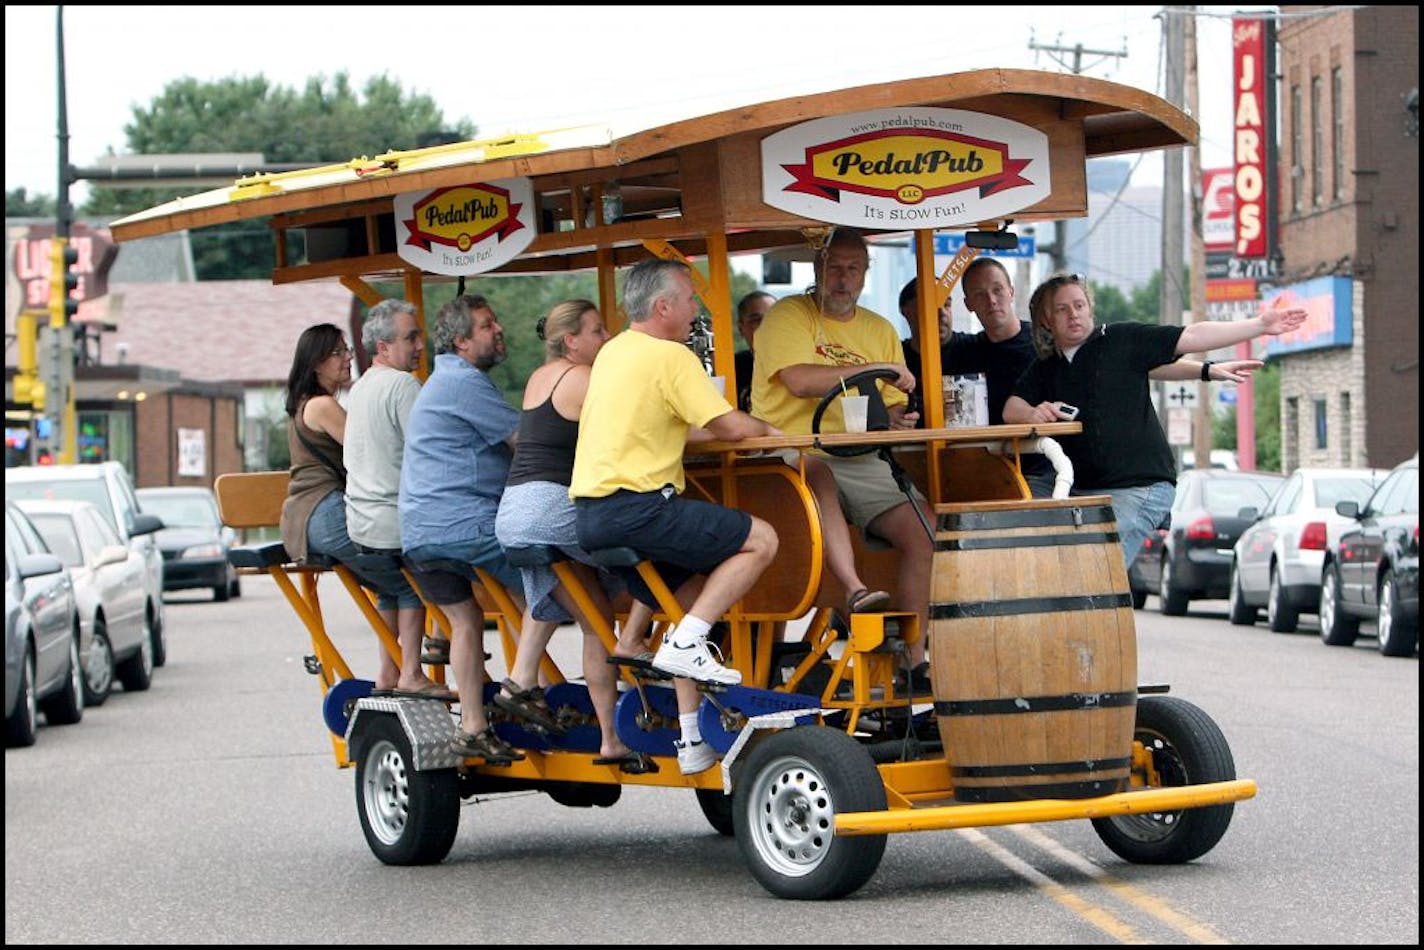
{"points": [[877, 419]]}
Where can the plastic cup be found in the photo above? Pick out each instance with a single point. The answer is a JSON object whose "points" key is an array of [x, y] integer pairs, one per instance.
{"points": [[721, 383], [855, 410]]}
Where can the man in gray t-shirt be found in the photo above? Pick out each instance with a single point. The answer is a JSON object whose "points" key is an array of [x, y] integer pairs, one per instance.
{"points": [[376, 413]]}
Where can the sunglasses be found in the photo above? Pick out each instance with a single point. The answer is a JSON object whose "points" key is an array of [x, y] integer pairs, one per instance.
{"points": [[1058, 280]]}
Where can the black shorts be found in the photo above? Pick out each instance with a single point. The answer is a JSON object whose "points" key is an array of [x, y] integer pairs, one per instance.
{"points": [[681, 536]]}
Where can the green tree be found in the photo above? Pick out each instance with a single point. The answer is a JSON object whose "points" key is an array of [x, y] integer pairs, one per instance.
{"points": [[325, 122], [1110, 305], [19, 203], [1267, 393]]}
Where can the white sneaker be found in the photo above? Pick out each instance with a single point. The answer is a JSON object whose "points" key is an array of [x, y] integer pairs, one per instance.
{"points": [[694, 662], [693, 757]]}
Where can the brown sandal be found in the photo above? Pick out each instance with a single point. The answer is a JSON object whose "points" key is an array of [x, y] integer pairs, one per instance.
{"points": [[867, 601], [529, 706], [485, 745]]}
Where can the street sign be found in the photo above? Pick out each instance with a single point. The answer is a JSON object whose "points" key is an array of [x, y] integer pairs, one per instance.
{"points": [[947, 244], [1179, 427], [1180, 396]]}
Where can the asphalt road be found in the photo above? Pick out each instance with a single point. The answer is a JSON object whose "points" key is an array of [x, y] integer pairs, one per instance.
{"points": [[209, 810]]}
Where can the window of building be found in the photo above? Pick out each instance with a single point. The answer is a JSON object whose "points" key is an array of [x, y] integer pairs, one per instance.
{"points": [[1297, 147], [1290, 436], [1337, 128], [1346, 446], [105, 436], [1317, 145], [1322, 431]]}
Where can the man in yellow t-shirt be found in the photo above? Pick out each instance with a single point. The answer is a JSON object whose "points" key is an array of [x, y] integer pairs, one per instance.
{"points": [[647, 393], [806, 346]]}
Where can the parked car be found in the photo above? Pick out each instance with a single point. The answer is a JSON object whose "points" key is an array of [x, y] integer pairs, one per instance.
{"points": [[1194, 559], [194, 541], [1374, 569], [41, 635], [1279, 557], [1149, 553], [108, 590], [107, 486]]}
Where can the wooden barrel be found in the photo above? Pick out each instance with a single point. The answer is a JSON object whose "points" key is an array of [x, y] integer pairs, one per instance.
{"points": [[1033, 654]]}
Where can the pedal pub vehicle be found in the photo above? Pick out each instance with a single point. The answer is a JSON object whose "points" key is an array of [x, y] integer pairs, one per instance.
{"points": [[1035, 713]]}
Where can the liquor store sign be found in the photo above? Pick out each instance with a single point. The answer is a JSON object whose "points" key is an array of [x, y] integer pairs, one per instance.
{"points": [[32, 263], [905, 168]]}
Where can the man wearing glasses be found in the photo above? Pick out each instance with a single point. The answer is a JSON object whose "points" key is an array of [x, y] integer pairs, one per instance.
{"points": [[1102, 371]]}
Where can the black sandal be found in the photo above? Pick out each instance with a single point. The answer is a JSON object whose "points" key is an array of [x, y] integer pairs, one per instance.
{"points": [[528, 705], [437, 651], [866, 601], [485, 745]]}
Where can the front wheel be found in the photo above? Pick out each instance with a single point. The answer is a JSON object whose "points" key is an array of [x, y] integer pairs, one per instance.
{"points": [[1397, 633], [136, 673], [156, 634], [99, 670], [1279, 612], [1337, 628], [1187, 748], [66, 707], [408, 817], [788, 794], [20, 724], [1238, 611]]}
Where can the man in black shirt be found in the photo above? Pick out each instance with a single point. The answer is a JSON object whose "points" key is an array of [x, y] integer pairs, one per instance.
{"points": [[750, 310]]}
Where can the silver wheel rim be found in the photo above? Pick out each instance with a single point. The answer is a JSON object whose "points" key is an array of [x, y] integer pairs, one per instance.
{"points": [[32, 703], [386, 792], [1327, 605], [1273, 606], [792, 817], [1164, 586], [1385, 623], [99, 672], [76, 673], [1233, 596], [145, 649]]}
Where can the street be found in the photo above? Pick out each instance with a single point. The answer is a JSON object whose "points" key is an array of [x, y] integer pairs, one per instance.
{"points": [[209, 810]]}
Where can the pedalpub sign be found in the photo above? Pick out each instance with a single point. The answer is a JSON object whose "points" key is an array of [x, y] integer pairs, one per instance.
{"points": [[467, 229]]}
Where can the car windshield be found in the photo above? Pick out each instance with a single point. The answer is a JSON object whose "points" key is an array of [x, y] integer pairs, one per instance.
{"points": [[179, 511], [1225, 497], [91, 490], [1328, 491], [58, 532]]}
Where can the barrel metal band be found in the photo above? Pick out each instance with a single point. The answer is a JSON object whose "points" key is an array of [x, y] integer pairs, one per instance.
{"points": [[1040, 768], [1033, 704], [1028, 605], [1026, 541], [1025, 518]]}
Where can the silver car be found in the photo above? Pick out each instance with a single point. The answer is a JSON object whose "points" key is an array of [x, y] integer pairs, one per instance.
{"points": [[108, 590], [1277, 560]]}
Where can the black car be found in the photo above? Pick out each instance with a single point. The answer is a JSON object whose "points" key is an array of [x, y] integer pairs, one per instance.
{"points": [[1373, 571], [1193, 559], [194, 540]]}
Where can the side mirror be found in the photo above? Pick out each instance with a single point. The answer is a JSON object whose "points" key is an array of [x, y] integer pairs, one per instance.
{"points": [[1249, 513], [1350, 509], [145, 524], [38, 565], [111, 554]]}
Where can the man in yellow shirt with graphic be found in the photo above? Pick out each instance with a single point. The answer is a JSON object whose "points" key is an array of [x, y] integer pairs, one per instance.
{"points": [[806, 346], [647, 395]]}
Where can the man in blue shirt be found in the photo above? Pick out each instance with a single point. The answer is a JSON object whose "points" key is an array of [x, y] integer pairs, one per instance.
{"points": [[458, 446]]}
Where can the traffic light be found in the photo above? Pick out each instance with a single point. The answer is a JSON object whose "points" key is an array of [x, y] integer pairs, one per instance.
{"points": [[63, 281]]}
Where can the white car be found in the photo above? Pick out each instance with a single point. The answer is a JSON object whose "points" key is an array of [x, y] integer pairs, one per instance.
{"points": [[105, 485], [108, 590], [1277, 559]]}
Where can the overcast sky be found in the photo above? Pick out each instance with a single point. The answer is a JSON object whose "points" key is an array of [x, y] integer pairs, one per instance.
{"points": [[528, 68]]}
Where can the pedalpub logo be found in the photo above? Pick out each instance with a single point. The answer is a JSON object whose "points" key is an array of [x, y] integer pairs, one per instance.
{"points": [[921, 168], [465, 229]]}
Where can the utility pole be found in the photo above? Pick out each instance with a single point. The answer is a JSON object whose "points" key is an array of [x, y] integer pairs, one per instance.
{"points": [[1059, 250], [1170, 297], [59, 387], [1201, 429]]}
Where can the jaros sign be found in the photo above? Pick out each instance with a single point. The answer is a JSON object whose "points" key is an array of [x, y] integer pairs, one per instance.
{"points": [[467, 229], [898, 168]]}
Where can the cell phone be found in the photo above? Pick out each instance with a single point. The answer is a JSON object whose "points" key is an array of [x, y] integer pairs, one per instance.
{"points": [[1070, 411]]}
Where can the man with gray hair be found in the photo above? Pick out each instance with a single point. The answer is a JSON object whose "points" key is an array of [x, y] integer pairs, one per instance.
{"points": [[376, 413], [646, 391]]}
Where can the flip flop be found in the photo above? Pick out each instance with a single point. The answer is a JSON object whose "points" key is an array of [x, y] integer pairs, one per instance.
{"points": [[866, 601], [428, 691], [634, 763], [643, 661]]}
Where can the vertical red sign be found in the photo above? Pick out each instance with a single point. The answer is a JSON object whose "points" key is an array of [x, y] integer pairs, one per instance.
{"points": [[1248, 91]]}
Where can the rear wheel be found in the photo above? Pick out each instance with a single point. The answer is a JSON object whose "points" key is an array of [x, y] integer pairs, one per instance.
{"points": [[20, 724], [136, 673], [155, 633], [1279, 612], [1337, 628], [66, 707], [788, 795], [408, 817], [1240, 613], [99, 670], [1171, 601], [1397, 633], [1187, 748]]}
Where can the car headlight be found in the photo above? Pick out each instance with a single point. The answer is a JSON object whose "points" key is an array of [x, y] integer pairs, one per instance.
{"points": [[202, 550]]}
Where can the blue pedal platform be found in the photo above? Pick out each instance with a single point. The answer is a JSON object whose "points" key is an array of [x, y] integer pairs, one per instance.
{"points": [[340, 702], [574, 707], [743, 702], [655, 733]]}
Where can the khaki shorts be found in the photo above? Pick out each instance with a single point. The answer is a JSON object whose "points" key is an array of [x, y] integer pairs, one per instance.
{"points": [[865, 484]]}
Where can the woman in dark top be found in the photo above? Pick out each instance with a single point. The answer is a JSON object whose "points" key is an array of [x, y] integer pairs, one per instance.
{"points": [[314, 512], [535, 508]]}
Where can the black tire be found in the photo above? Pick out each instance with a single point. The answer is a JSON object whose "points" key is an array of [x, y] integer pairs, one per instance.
{"points": [[66, 707], [1282, 617], [222, 592], [788, 793], [20, 725], [584, 794], [99, 671], [1139, 599], [235, 587], [717, 809], [408, 817], [1337, 628], [155, 631], [1171, 601], [136, 672], [1187, 748], [1398, 634], [1238, 611]]}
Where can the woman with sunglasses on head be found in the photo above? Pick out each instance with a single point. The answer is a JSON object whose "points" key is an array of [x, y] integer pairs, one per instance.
{"points": [[1103, 371]]}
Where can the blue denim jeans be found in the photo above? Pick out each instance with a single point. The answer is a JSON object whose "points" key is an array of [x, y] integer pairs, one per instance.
{"points": [[1138, 512], [326, 534]]}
